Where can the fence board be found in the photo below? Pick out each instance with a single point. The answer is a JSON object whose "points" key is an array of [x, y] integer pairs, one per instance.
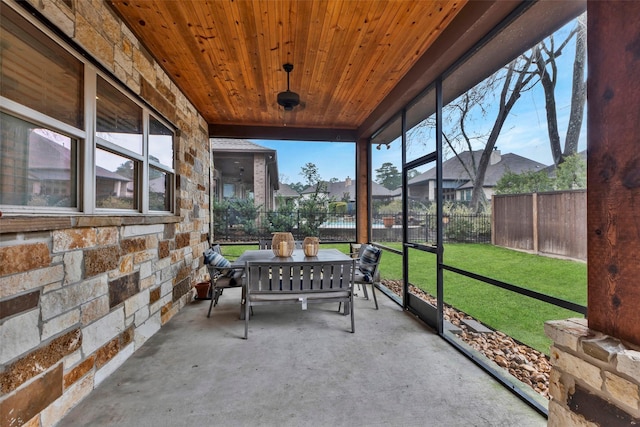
{"points": [[513, 221], [561, 223]]}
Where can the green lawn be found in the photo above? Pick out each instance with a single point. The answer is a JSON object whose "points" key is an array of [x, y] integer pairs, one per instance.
{"points": [[518, 316]]}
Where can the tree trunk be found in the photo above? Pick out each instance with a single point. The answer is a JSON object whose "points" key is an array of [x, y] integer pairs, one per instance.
{"points": [[508, 98], [550, 103], [578, 91]]}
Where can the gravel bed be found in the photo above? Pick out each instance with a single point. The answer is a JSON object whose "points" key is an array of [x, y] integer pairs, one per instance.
{"points": [[528, 365]]}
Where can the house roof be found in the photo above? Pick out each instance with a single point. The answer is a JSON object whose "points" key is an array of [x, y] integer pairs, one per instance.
{"points": [[286, 191], [454, 170], [49, 160], [229, 145]]}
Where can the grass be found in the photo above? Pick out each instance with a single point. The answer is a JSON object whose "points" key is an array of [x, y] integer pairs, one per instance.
{"points": [[518, 316]]}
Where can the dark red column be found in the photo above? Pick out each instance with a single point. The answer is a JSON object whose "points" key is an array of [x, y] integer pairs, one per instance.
{"points": [[613, 199]]}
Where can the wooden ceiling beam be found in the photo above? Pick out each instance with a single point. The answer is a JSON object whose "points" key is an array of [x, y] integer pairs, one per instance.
{"points": [[285, 133]]}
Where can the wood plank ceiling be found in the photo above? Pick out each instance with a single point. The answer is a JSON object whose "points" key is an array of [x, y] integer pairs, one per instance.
{"points": [[227, 56]]}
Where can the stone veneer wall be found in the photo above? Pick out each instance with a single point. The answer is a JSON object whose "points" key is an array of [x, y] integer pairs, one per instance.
{"points": [[79, 294], [595, 380]]}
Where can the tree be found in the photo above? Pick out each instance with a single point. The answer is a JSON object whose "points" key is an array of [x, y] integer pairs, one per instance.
{"points": [[511, 82], [388, 176], [298, 187], [521, 183], [545, 54], [313, 210], [126, 169], [412, 173], [570, 175], [501, 91]]}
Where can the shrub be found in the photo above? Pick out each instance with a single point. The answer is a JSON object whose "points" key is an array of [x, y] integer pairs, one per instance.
{"points": [[235, 213], [338, 208]]}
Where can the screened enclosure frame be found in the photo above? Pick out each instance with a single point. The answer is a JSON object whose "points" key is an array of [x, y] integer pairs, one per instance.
{"points": [[464, 74]]}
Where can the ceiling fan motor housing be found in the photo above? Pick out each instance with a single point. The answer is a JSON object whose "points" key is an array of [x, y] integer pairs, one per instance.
{"points": [[288, 99]]}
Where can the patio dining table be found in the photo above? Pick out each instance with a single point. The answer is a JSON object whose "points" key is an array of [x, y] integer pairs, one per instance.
{"points": [[267, 255]]}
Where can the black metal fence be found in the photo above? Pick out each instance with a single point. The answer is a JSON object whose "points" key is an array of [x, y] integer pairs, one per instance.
{"points": [[235, 226]]}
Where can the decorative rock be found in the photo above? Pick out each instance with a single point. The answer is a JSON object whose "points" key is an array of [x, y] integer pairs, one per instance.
{"points": [[526, 364], [501, 361]]}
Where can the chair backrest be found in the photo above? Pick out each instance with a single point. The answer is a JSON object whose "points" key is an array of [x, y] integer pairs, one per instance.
{"points": [[216, 263], [266, 244], [361, 250], [299, 276], [369, 260]]}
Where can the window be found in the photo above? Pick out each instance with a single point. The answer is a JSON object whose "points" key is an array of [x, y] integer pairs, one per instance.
{"points": [[161, 166], [45, 143], [38, 73], [229, 191], [37, 166]]}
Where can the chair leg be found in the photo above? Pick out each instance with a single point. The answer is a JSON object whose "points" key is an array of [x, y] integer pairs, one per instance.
{"points": [[366, 295], [246, 320], [353, 326], [373, 291], [211, 305]]}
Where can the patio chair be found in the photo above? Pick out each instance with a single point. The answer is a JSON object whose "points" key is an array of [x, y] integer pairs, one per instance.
{"points": [[266, 244], [222, 276], [366, 272]]}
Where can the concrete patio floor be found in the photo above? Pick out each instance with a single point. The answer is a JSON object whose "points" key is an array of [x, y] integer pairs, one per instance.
{"points": [[299, 368]]}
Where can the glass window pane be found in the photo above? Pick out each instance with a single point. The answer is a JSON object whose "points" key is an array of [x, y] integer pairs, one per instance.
{"points": [[160, 143], [37, 165], [116, 182], [386, 192], [229, 191], [118, 118], [159, 190], [38, 73], [421, 122], [422, 205]]}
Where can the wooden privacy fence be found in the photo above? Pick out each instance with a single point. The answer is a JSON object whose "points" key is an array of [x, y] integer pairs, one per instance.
{"points": [[553, 223]]}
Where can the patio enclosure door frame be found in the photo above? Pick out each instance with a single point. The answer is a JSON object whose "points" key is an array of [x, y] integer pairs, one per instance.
{"points": [[411, 249]]}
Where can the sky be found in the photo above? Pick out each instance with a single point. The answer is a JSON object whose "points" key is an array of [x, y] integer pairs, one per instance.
{"points": [[333, 159]]}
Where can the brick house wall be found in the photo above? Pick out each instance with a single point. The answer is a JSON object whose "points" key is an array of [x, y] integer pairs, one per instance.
{"points": [[79, 294]]}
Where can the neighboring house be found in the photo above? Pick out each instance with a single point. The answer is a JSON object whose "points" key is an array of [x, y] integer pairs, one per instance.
{"points": [[346, 191], [244, 170], [286, 193], [49, 172], [456, 184]]}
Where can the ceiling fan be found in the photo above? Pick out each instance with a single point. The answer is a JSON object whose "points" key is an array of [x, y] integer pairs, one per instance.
{"points": [[287, 99]]}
